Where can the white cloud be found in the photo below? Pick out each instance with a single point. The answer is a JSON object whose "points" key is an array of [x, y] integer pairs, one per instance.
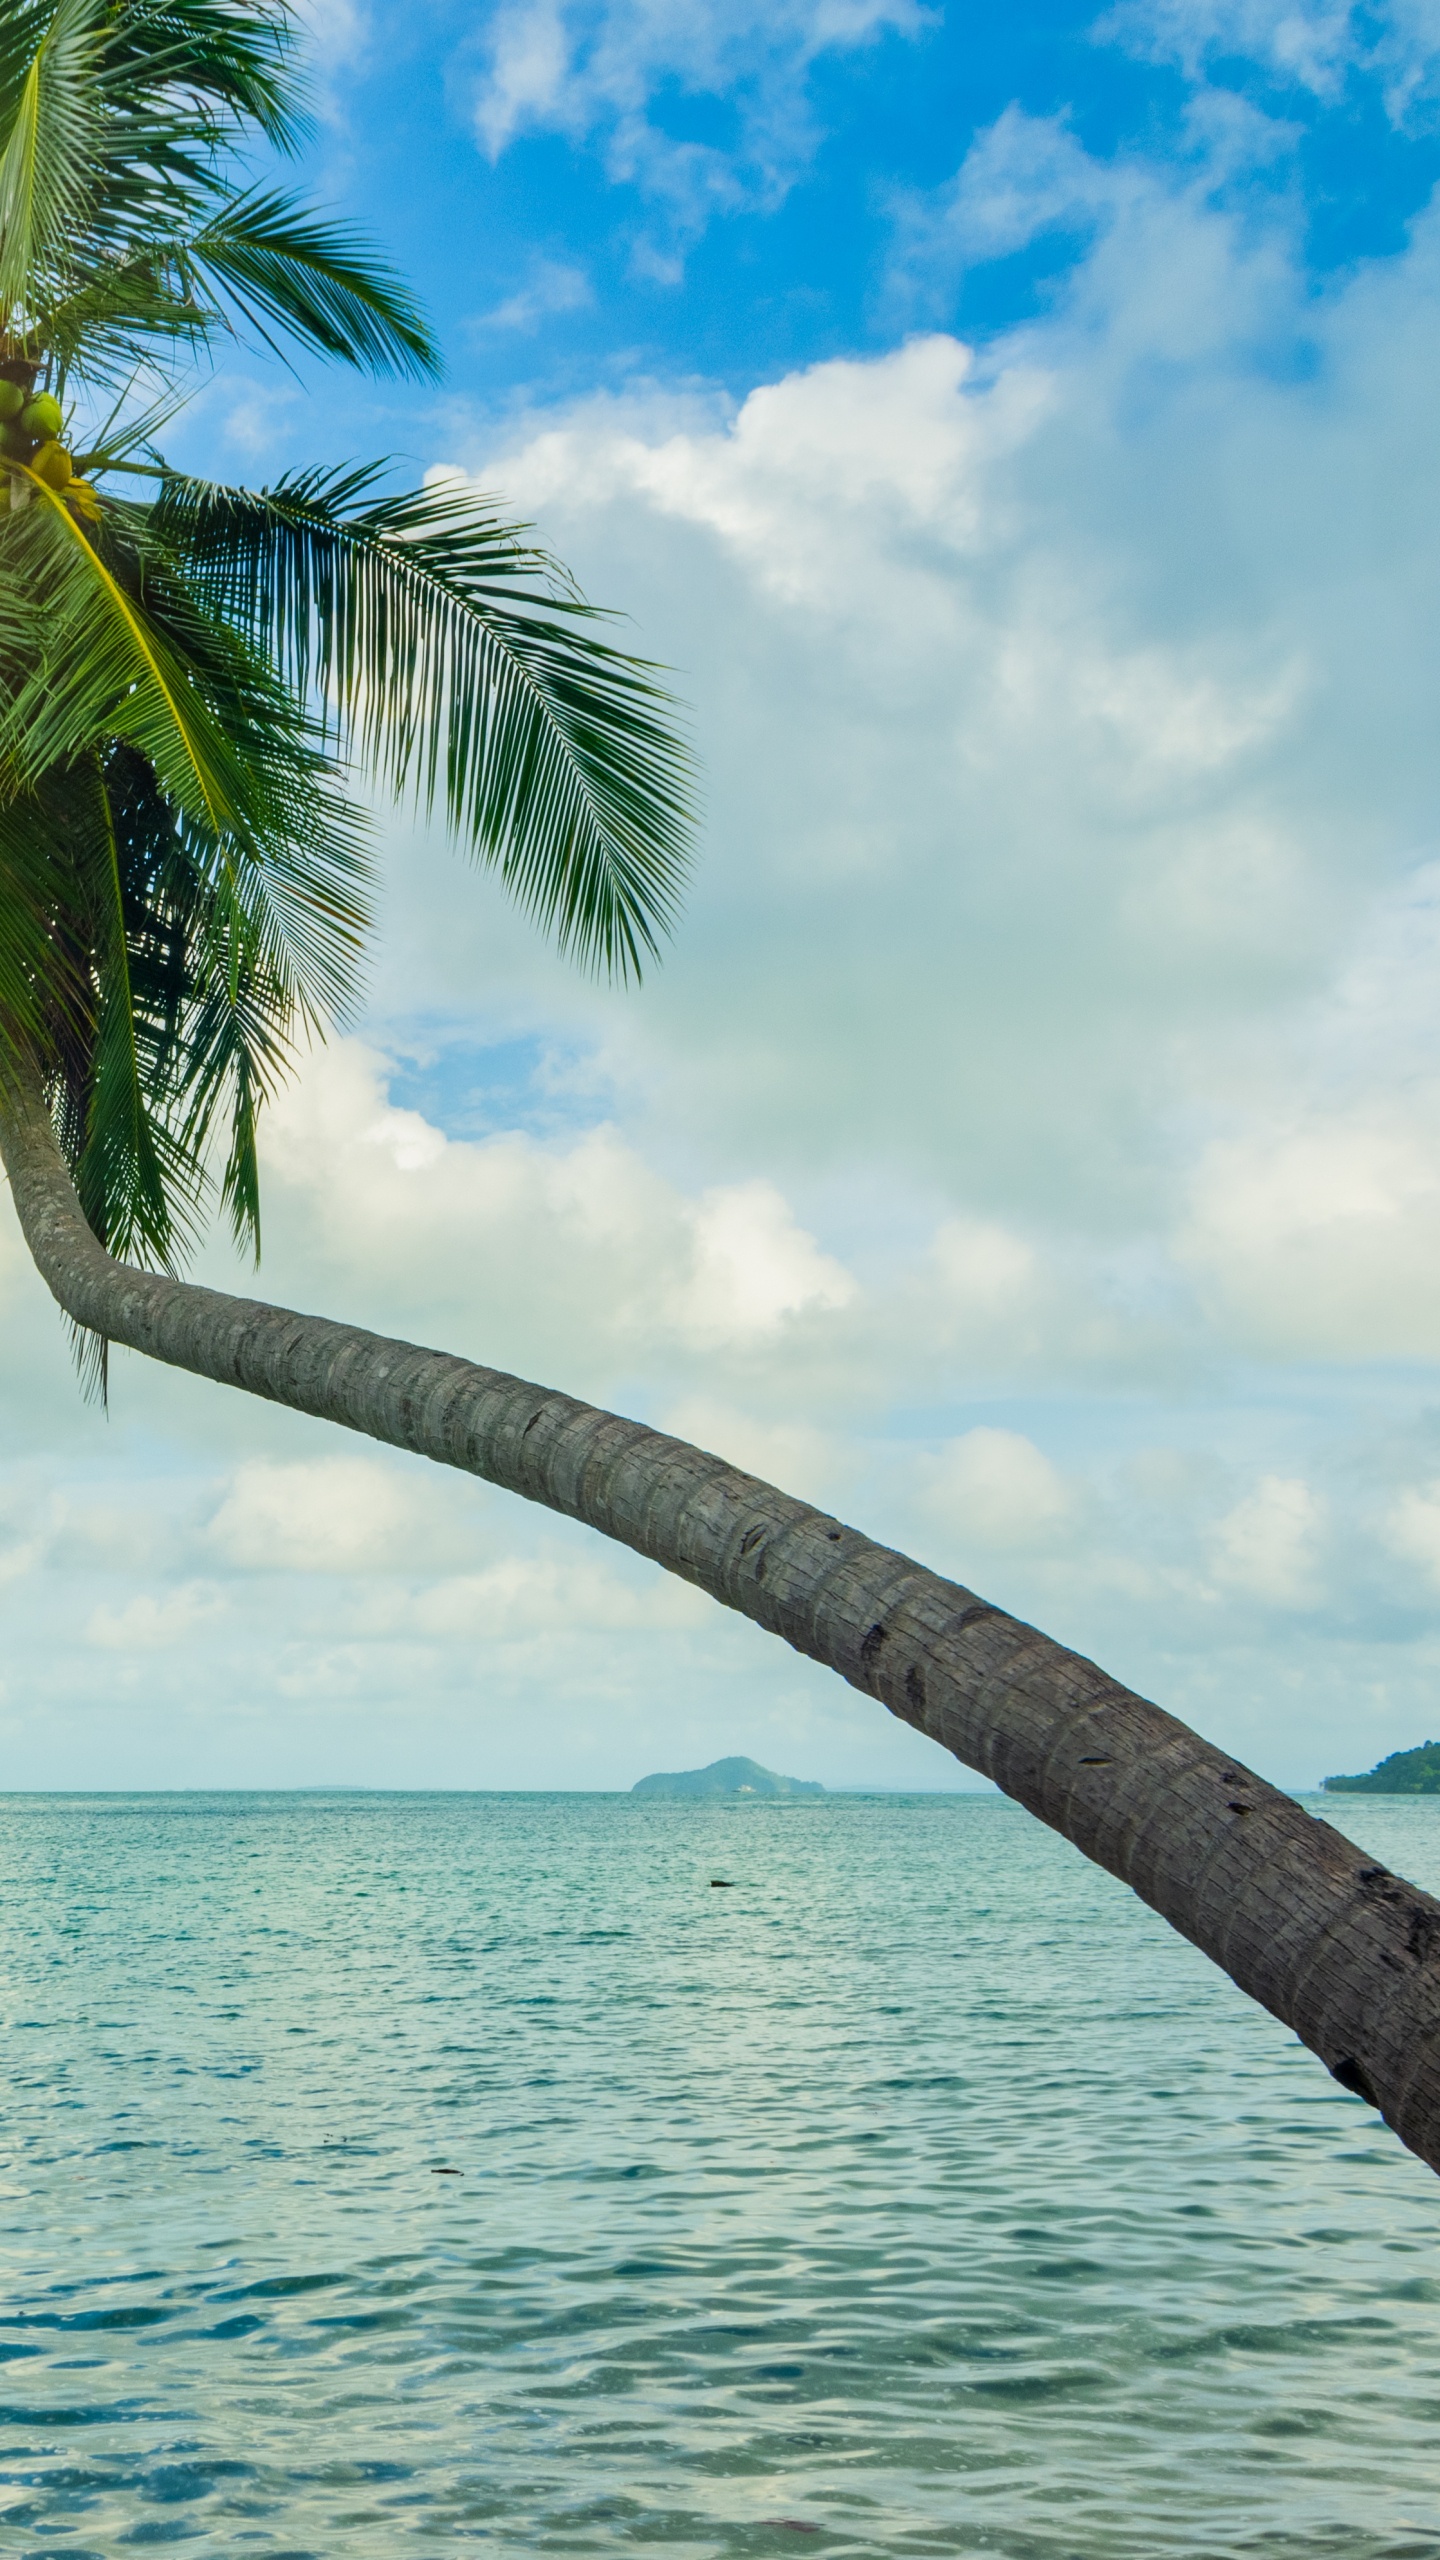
{"points": [[995, 1490], [327, 1515], [1051, 1037], [527, 74], [815, 478], [1023, 176], [1323, 1236], [1313, 1222], [1314, 44], [553, 287], [1309, 41], [154, 1621], [753, 1267], [1266, 1546], [592, 69], [511, 1240], [539, 1596], [338, 37], [1412, 1527]]}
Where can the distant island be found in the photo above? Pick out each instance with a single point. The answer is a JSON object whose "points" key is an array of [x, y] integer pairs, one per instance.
{"points": [[726, 1778], [1405, 1773]]}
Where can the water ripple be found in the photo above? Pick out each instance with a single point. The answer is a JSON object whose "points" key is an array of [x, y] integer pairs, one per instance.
{"points": [[463, 2171]]}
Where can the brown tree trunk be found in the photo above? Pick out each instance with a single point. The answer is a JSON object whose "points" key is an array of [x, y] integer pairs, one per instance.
{"points": [[1344, 1952]]}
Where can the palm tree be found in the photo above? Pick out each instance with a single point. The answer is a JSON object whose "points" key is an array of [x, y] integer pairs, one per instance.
{"points": [[188, 675]]}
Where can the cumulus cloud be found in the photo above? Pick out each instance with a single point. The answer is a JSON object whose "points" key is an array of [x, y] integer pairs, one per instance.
{"points": [[540, 1596], [152, 1620], [328, 1515], [553, 287], [994, 1489], [1323, 1235], [510, 1240], [753, 1267], [1029, 1142], [1313, 1222], [1313, 45], [1044, 726], [592, 69], [1022, 177], [1267, 1545], [1312, 42], [1413, 1527]]}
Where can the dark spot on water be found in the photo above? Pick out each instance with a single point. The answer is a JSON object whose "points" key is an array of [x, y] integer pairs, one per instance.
{"points": [[131, 2315], [280, 2288], [791, 2524], [176, 2484], [447, 2173], [15, 2414], [726, 1881]]}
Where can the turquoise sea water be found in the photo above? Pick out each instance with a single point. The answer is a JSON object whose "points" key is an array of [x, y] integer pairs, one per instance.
{"points": [[919, 2193]]}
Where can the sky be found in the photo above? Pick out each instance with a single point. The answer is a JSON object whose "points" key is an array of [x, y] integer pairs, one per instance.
{"points": [[1020, 433]]}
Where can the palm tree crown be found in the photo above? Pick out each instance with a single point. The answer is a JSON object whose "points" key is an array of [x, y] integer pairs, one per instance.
{"points": [[189, 672]]}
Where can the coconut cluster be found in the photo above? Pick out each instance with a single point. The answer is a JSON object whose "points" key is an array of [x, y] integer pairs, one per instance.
{"points": [[30, 423]]}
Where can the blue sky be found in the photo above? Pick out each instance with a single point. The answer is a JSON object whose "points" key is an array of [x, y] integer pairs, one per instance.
{"points": [[708, 193], [1018, 433]]}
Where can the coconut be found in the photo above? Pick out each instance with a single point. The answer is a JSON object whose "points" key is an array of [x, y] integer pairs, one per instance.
{"points": [[12, 399], [52, 465], [41, 417]]}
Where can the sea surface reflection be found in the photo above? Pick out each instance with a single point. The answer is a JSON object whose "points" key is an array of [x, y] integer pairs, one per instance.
{"points": [[469, 2170]]}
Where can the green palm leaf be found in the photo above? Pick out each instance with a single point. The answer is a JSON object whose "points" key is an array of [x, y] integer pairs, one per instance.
{"points": [[48, 117], [238, 64], [183, 876], [449, 654], [278, 266], [42, 965], [104, 668]]}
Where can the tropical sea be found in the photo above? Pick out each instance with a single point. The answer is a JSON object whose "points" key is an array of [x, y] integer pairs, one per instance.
{"points": [[452, 2170]]}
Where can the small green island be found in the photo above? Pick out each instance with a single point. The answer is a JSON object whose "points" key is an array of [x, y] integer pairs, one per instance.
{"points": [[736, 1777], [1405, 1773]]}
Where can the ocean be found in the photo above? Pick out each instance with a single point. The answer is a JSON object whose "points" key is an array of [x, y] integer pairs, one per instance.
{"points": [[389, 2172]]}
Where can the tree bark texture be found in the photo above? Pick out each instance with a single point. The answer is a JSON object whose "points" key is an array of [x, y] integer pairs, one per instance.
{"points": [[1344, 1952]]}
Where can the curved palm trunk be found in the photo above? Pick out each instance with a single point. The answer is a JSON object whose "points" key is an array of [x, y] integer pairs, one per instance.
{"points": [[1344, 1952]]}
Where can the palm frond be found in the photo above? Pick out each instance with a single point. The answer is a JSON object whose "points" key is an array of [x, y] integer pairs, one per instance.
{"points": [[122, 228], [42, 965], [131, 1182], [460, 669], [123, 317], [183, 680], [48, 116], [281, 267], [241, 63], [103, 668]]}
